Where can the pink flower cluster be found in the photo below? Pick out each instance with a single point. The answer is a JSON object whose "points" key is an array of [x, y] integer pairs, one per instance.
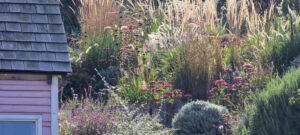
{"points": [[88, 118], [161, 91], [232, 89], [247, 67], [229, 89]]}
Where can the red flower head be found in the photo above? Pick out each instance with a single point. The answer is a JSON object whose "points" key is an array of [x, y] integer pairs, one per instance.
{"points": [[90, 87], [170, 93], [239, 93], [226, 42], [188, 95], [178, 90], [238, 78], [156, 100], [226, 84], [212, 96], [152, 85], [228, 94], [167, 85], [228, 69], [158, 90], [152, 82], [178, 96], [247, 67], [161, 81], [244, 84], [225, 99], [219, 82], [143, 89], [164, 96]]}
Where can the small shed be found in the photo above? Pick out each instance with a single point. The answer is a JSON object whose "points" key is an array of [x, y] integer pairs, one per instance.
{"points": [[33, 53]]}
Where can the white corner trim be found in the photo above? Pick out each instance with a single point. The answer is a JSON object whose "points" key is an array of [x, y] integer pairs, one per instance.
{"points": [[36, 118], [54, 105]]}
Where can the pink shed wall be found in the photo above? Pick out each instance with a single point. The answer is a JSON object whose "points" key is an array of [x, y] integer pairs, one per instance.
{"points": [[27, 97]]}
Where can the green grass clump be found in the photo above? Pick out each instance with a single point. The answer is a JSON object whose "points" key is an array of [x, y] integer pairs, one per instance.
{"points": [[271, 113]]}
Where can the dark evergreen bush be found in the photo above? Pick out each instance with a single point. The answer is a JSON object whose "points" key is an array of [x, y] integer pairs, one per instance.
{"points": [[199, 118], [101, 53], [271, 113], [292, 4], [70, 11]]}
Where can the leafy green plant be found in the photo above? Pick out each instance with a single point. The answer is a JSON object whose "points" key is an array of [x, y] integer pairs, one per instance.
{"points": [[295, 98], [275, 47], [199, 118], [99, 52], [270, 111], [130, 88]]}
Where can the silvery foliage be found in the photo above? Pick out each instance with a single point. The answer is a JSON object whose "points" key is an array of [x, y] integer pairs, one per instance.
{"points": [[199, 118], [166, 36], [111, 74]]}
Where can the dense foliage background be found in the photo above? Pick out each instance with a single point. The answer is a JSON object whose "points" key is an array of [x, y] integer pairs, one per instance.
{"points": [[144, 59]]}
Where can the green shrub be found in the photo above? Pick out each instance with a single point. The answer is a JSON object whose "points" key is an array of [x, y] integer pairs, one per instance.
{"points": [[69, 11], [96, 52], [137, 77], [199, 118], [271, 113], [278, 48]]}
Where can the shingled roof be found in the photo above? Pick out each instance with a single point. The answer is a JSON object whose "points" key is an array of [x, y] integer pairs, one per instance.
{"points": [[32, 37]]}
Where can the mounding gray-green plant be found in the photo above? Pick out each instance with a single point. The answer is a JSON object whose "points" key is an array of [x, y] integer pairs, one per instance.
{"points": [[199, 118], [271, 113]]}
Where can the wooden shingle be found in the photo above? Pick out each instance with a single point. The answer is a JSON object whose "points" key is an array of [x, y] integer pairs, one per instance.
{"points": [[32, 37]]}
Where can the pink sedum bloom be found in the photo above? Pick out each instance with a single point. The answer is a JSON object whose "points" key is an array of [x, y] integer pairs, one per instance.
{"points": [[228, 94], [158, 90], [188, 95], [164, 97], [219, 82], [179, 90], [238, 79], [226, 84], [244, 84], [144, 89], [170, 93], [167, 85]]}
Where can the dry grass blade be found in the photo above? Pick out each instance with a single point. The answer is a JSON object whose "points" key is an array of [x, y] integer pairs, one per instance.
{"points": [[97, 14]]}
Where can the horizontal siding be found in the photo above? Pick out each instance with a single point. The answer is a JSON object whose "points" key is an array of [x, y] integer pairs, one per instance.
{"points": [[24, 108], [25, 101], [24, 87], [25, 83], [27, 98], [46, 130], [47, 124], [46, 116], [25, 94]]}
